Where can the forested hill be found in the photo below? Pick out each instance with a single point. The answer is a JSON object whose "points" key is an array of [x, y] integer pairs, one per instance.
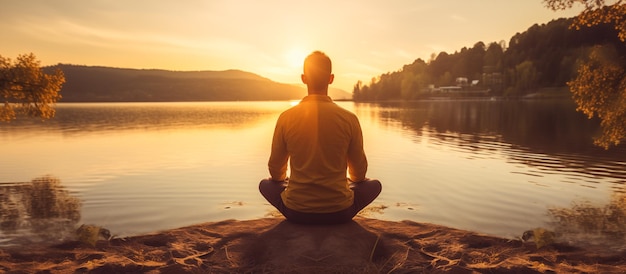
{"points": [[543, 56], [104, 84]]}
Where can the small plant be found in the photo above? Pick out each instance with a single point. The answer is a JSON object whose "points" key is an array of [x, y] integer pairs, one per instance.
{"points": [[90, 234], [541, 236]]}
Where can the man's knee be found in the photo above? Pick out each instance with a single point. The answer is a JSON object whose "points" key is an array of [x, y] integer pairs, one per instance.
{"points": [[370, 186], [262, 183], [375, 183], [266, 185]]}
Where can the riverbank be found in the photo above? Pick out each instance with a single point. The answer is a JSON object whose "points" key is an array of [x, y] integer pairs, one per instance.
{"points": [[273, 245]]}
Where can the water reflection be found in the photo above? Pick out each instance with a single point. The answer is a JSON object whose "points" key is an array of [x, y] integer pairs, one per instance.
{"points": [[549, 135], [82, 118], [549, 126], [476, 165], [587, 224], [494, 166], [38, 211]]}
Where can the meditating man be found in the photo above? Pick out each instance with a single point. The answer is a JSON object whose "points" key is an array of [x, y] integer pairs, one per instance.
{"points": [[322, 143]]}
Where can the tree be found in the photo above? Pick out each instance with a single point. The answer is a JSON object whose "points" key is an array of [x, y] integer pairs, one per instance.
{"points": [[413, 79], [410, 86], [357, 91], [26, 89], [524, 79], [596, 12], [599, 89], [493, 56]]}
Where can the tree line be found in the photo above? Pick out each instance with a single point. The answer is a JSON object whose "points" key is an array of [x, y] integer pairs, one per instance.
{"points": [[545, 55]]}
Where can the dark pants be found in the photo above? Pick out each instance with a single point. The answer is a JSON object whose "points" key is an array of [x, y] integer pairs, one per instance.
{"points": [[364, 193]]}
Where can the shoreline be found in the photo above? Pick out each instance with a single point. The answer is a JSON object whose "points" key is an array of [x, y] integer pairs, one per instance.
{"points": [[270, 245]]}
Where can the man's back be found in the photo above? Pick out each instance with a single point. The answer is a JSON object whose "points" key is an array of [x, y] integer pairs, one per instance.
{"points": [[320, 138]]}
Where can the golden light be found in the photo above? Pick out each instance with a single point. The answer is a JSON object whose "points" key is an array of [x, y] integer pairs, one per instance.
{"points": [[295, 57]]}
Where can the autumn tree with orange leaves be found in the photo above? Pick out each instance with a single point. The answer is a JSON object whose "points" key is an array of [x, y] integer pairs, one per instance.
{"points": [[26, 90], [599, 89]]}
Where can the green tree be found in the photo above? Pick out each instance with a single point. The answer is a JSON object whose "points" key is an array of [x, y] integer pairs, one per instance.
{"points": [[526, 76], [26, 89], [599, 89], [357, 91], [493, 56], [414, 78], [476, 56], [492, 68]]}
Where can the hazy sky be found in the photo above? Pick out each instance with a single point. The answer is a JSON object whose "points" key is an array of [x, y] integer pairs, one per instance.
{"points": [[268, 37]]}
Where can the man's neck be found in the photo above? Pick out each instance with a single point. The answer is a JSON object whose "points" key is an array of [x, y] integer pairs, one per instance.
{"points": [[318, 92]]}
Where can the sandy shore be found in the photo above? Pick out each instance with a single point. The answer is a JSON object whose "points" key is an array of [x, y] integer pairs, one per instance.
{"points": [[272, 245]]}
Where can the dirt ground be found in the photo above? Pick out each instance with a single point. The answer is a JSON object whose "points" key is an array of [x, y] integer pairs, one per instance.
{"points": [[272, 245]]}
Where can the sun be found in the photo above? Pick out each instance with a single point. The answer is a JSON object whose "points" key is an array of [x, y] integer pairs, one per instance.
{"points": [[295, 57]]}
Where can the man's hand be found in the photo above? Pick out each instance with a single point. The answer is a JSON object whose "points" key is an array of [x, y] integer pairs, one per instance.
{"points": [[284, 182], [356, 182]]}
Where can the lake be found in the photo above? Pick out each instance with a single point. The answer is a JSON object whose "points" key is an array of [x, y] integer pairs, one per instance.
{"points": [[495, 167]]}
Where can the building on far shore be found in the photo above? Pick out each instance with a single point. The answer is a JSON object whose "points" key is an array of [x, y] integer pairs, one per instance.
{"points": [[457, 91]]}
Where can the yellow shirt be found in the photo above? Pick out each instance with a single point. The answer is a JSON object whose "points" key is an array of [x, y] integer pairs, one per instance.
{"points": [[321, 141]]}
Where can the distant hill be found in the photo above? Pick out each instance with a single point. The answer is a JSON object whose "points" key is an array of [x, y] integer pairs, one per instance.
{"points": [[105, 84], [335, 93], [339, 94]]}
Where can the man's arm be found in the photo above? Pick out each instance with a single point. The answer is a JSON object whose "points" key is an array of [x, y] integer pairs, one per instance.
{"points": [[278, 157], [357, 162]]}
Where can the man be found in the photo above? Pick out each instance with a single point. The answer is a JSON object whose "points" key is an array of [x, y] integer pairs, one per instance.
{"points": [[321, 141]]}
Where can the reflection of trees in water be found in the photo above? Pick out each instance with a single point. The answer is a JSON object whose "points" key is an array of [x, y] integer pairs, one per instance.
{"points": [[41, 207], [550, 126], [588, 224], [533, 124]]}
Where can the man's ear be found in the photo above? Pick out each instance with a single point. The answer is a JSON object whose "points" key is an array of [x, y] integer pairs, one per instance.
{"points": [[303, 77], [331, 79]]}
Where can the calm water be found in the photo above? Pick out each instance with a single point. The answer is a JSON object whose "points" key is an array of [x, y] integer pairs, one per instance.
{"points": [[495, 167]]}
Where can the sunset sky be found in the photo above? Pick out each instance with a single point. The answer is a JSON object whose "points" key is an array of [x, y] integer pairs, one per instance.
{"points": [[270, 38]]}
